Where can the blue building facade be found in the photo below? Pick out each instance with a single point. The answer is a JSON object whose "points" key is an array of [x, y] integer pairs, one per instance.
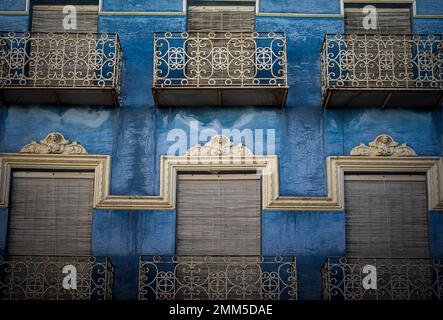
{"points": [[135, 134]]}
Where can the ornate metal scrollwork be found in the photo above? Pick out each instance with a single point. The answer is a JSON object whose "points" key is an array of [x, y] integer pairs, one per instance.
{"points": [[54, 143], [217, 278], [41, 278], [382, 61], [397, 279], [213, 59], [68, 60]]}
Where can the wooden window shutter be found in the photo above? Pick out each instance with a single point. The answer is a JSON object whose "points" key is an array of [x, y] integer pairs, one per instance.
{"points": [[389, 21], [386, 217], [218, 217], [51, 214], [221, 18], [76, 68], [50, 19]]}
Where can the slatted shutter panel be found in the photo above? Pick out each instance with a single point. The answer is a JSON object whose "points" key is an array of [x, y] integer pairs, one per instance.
{"points": [[386, 217], [50, 19], [50, 214], [390, 21], [217, 217], [222, 18], [73, 50]]}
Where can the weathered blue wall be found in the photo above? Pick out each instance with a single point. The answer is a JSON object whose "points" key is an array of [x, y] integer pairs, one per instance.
{"points": [[436, 234], [124, 236], [3, 229], [299, 6], [12, 5], [14, 22], [311, 237], [136, 134], [143, 5]]}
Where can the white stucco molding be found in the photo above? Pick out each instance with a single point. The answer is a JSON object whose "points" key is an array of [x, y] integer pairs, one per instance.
{"points": [[221, 155]]}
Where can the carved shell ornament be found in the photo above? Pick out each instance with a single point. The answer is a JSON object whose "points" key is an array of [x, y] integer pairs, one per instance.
{"points": [[383, 146], [54, 143], [219, 146]]}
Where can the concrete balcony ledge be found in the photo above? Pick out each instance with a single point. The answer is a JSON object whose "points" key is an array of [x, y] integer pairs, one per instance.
{"points": [[382, 71], [60, 68], [220, 69]]}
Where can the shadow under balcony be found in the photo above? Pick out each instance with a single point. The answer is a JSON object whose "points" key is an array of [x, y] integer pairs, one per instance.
{"points": [[220, 69], [59, 68], [396, 279], [41, 278], [217, 278], [382, 71]]}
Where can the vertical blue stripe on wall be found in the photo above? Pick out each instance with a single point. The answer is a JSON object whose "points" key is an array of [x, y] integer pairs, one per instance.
{"points": [[436, 234], [125, 235], [311, 237], [3, 229]]}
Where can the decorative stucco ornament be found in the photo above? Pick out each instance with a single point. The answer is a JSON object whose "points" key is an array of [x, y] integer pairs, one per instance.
{"points": [[383, 146], [219, 146], [54, 143]]}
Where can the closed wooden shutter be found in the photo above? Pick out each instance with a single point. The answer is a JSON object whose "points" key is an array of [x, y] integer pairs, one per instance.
{"points": [[221, 18], [63, 60], [50, 214], [386, 217], [381, 61], [386, 220], [218, 216], [219, 57], [50, 19], [389, 21]]}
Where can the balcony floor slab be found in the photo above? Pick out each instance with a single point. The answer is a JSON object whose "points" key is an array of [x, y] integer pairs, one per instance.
{"points": [[220, 97], [382, 98], [103, 96]]}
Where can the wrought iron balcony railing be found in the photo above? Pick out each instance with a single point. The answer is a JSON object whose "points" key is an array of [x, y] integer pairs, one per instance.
{"points": [[397, 279], [219, 64], [361, 70], [60, 68], [41, 278], [217, 278]]}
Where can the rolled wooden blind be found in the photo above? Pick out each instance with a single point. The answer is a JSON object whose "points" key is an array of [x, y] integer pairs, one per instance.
{"points": [[218, 216], [50, 214], [221, 18], [389, 21], [386, 217], [50, 19], [226, 18], [76, 67]]}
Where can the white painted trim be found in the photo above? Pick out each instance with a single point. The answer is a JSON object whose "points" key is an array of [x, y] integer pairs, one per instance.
{"points": [[257, 10], [413, 2]]}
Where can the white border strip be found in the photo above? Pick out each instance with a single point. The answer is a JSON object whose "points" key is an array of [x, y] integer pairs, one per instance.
{"points": [[257, 11]]}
